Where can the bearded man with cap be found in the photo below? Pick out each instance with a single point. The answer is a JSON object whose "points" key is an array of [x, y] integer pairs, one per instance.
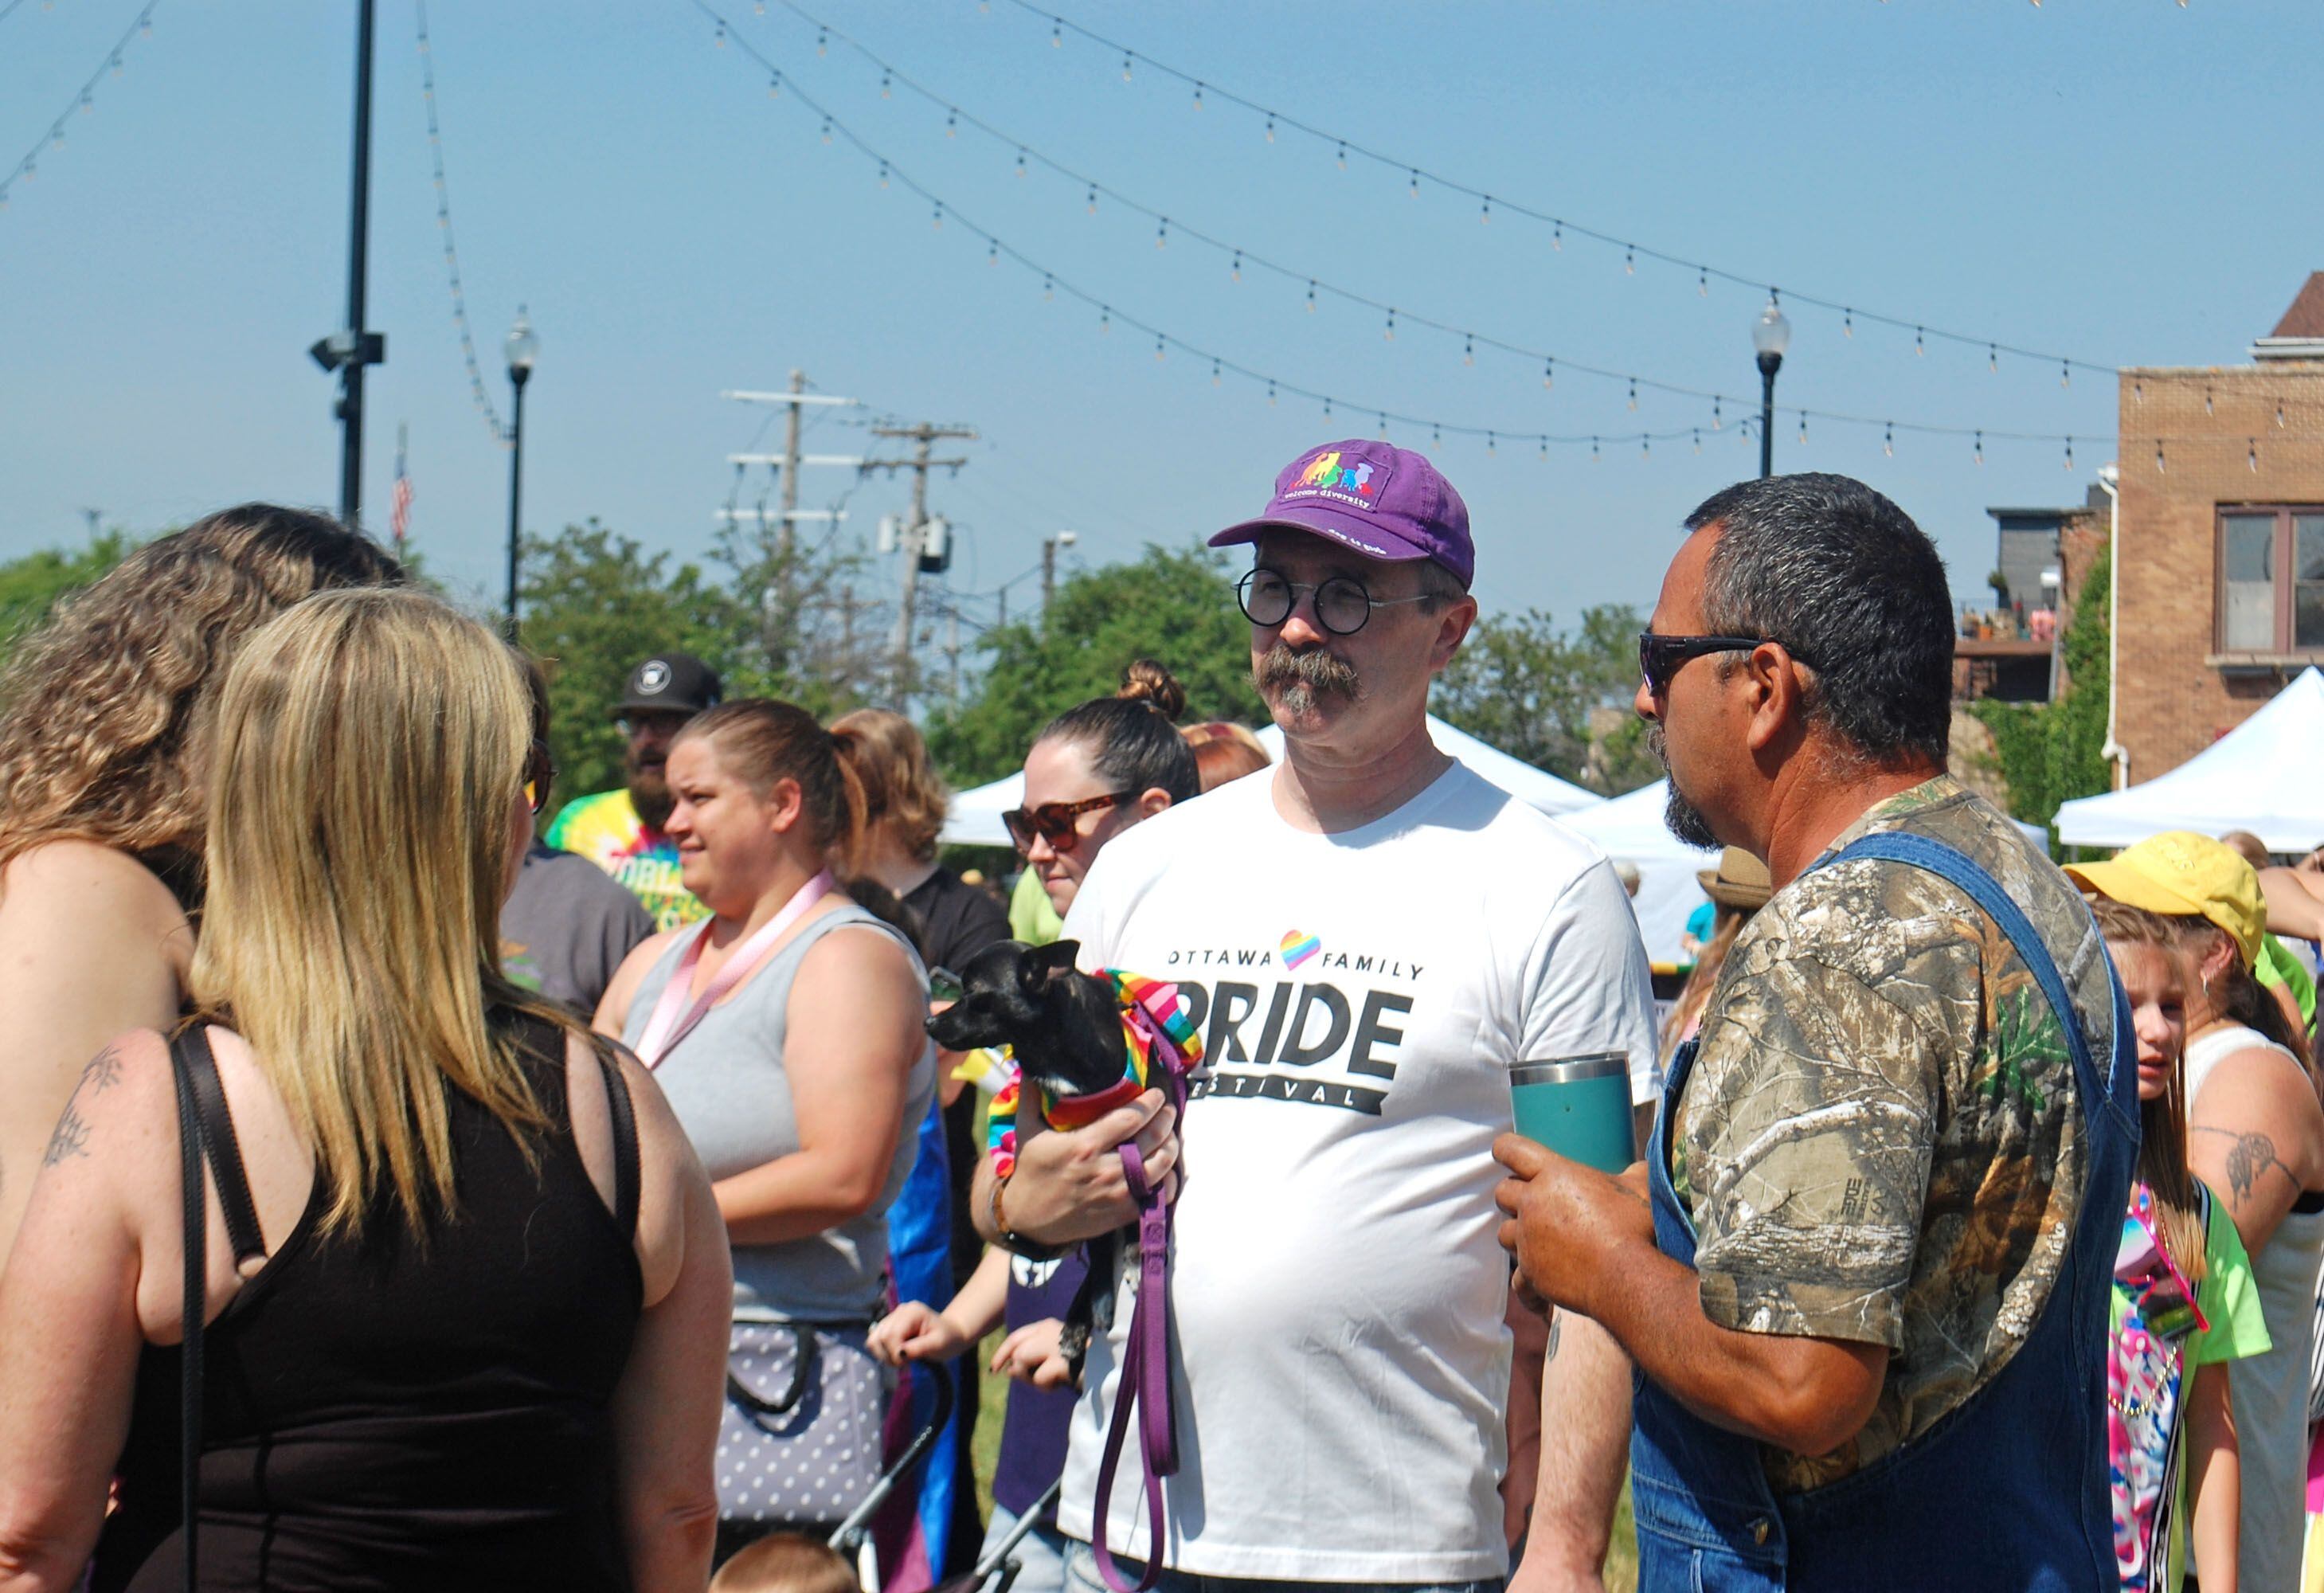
{"points": [[2256, 1135], [620, 831], [1367, 939]]}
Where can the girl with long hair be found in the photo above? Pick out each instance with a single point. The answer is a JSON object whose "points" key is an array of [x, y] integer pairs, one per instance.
{"points": [[2185, 1304], [101, 791], [465, 1285], [789, 1032]]}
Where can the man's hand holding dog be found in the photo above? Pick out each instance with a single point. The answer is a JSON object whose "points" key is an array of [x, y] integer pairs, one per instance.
{"points": [[1571, 1228], [1069, 1185]]}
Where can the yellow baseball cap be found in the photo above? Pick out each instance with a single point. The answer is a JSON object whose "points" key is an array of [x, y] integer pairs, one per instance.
{"points": [[2181, 874]]}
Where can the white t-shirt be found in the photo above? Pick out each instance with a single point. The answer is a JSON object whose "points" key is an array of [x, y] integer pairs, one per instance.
{"points": [[1336, 1288]]}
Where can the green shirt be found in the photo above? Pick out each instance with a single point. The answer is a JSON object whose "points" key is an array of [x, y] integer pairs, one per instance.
{"points": [[2280, 965], [1031, 918]]}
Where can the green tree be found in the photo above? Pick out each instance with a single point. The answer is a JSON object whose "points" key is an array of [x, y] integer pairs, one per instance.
{"points": [[1176, 607], [2051, 753], [1543, 695], [595, 604], [29, 586]]}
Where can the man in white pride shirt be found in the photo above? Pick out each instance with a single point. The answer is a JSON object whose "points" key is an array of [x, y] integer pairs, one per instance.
{"points": [[1369, 937]]}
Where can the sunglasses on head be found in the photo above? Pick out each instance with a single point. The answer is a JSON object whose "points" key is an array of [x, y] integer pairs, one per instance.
{"points": [[1055, 821], [1661, 656]]}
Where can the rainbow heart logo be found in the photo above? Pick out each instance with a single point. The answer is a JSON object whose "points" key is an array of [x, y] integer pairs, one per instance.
{"points": [[1298, 945]]}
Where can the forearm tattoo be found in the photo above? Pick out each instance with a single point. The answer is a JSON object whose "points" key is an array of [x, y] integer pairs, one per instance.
{"points": [[70, 1136], [2250, 1155]]}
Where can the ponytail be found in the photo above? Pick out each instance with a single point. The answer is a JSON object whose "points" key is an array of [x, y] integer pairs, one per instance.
{"points": [[1131, 736], [766, 742]]}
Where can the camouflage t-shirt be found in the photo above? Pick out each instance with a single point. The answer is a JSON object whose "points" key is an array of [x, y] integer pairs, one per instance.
{"points": [[1881, 1140]]}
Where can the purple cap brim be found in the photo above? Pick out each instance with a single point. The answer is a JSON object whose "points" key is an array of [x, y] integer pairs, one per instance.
{"points": [[1347, 530]]}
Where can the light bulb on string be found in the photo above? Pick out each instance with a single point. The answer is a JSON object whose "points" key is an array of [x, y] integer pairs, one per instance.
{"points": [[85, 102], [1048, 288], [826, 130], [1383, 426], [887, 90], [1311, 296], [1548, 371], [1803, 425], [1593, 450], [823, 40], [1992, 357], [2065, 373], [1125, 66], [1702, 282], [1918, 347], [1270, 392], [1390, 333], [1162, 233], [1544, 450], [1646, 446], [1093, 199], [1343, 155], [115, 64], [1888, 439], [1415, 182], [1056, 35], [1485, 212], [1234, 272], [1215, 379], [775, 86], [1468, 349], [146, 25], [2070, 454], [718, 40], [1327, 409], [1104, 318], [1020, 162], [1718, 421], [992, 257], [1630, 260], [1698, 442], [952, 124], [1492, 448], [1435, 439], [1270, 126], [1157, 346], [1557, 237], [883, 174], [57, 136], [1847, 323], [939, 215], [1198, 96], [1634, 393], [1979, 448]]}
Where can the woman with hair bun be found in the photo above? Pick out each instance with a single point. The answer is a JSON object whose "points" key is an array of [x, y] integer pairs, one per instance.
{"points": [[1098, 769], [787, 1033], [101, 811]]}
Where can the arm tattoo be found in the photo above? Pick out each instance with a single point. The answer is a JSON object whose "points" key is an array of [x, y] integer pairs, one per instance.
{"points": [[2250, 1155], [70, 1138]]}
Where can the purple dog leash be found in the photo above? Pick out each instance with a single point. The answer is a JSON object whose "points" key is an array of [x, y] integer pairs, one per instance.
{"points": [[1144, 1383]]}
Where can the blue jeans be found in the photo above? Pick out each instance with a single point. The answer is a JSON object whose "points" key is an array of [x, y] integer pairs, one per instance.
{"points": [[1041, 1555], [1082, 1575]]}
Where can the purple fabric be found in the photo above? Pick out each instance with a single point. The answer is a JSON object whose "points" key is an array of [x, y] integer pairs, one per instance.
{"points": [[1033, 1438], [1386, 502]]}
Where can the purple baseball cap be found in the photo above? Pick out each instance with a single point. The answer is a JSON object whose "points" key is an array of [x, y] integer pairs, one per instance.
{"points": [[1388, 503]]}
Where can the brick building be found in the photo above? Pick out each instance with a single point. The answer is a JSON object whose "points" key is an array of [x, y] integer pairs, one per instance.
{"points": [[2221, 540]]}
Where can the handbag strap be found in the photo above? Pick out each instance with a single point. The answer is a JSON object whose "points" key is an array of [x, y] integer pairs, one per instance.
{"points": [[222, 1147]]}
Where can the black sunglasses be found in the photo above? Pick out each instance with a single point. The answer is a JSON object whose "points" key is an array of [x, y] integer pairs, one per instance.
{"points": [[1660, 657]]}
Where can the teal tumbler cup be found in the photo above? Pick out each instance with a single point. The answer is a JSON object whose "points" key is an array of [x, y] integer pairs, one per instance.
{"points": [[1579, 1107]]}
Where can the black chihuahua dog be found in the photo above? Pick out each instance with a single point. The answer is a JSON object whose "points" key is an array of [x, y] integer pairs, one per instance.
{"points": [[1065, 1031]]}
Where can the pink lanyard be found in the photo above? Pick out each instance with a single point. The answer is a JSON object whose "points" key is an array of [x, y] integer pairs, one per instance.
{"points": [[666, 1028]]}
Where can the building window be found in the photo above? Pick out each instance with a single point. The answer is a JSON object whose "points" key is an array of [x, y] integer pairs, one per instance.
{"points": [[2271, 580]]}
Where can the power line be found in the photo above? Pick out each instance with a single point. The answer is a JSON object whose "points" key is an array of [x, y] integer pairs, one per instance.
{"points": [[1416, 175], [1335, 407], [29, 167], [477, 391]]}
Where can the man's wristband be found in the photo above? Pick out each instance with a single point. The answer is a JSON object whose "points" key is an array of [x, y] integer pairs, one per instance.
{"points": [[1013, 1241]]}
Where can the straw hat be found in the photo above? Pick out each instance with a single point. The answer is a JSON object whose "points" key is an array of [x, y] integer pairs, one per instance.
{"points": [[1739, 881]]}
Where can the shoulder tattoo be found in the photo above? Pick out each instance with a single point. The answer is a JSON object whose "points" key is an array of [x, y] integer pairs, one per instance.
{"points": [[70, 1136], [2248, 1157]]}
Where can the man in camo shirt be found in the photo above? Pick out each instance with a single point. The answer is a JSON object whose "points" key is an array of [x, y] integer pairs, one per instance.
{"points": [[1863, 1271]]}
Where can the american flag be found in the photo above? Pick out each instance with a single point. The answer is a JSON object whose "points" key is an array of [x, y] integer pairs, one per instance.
{"points": [[399, 512]]}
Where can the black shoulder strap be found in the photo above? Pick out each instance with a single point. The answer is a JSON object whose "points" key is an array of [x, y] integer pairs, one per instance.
{"points": [[197, 1305], [200, 1068], [625, 1145]]}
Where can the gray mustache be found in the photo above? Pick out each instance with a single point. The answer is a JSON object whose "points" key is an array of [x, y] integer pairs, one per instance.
{"points": [[1317, 670]]}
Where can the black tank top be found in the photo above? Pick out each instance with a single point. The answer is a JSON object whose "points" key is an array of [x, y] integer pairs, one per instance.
{"points": [[386, 1414]]}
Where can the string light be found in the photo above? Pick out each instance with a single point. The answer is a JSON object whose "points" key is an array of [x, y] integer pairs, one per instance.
{"points": [[1270, 126], [1633, 394], [1048, 288], [1593, 450], [479, 394], [1698, 442], [718, 40], [1125, 67], [2070, 454], [1104, 320], [1158, 349], [1416, 184], [1980, 453], [1485, 212], [1436, 439], [940, 217], [1492, 448], [1557, 237], [1888, 439], [1344, 157], [1803, 427], [1270, 392], [1646, 446], [1093, 199], [1469, 351], [1847, 323], [1544, 450], [1548, 371], [1311, 296], [1234, 272], [1020, 162], [1917, 349], [1992, 357], [1629, 260], [1389, 334], [775, 86], [1214, 373], [823, 40], [887, 90], [1702, 284], [1198, 96], [1717, 423], [826, 130], [994, 258], [1162, 233], [2065, 374], [952, 124]]}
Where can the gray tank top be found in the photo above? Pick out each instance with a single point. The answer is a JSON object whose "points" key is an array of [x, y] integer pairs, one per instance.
{"points": [[727, 1084]]}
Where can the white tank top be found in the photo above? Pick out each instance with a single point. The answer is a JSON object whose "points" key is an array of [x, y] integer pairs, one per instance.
{"points": [[2271, 1390]]}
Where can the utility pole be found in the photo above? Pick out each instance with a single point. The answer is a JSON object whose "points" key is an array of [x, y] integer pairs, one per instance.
{"points": [[778, 606], [952, 650], [1049, 567], [348, 350], [922, 437], [93, 515]]}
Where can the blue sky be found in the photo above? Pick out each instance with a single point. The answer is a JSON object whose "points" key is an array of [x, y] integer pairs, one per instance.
{"points": [[2126, 182]]}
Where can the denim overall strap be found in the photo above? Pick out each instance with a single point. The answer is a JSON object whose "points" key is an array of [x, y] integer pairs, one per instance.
{"points": [[2008, 1490]]}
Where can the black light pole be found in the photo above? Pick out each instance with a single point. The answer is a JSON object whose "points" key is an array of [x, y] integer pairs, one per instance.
{"points": [[348, 350], [1771, 334], [523, 349]]}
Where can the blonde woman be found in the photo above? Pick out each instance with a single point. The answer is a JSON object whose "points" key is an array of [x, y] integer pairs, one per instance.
{"points": [[466, 1285], [101, 798]]}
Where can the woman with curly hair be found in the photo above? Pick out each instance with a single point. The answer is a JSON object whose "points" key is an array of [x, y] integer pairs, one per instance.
{"points": [[101, 819]]}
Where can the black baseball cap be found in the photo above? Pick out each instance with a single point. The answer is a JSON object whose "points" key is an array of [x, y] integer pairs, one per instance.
{"points": [[674, 683]]}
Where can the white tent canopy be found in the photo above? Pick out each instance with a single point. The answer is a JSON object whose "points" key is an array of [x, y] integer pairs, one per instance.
{"points": [[974, 816], [1631, 828], [2265, 776]]}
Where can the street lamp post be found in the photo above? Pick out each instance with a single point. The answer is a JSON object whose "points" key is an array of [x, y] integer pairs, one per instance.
{"points": [[523, 349], [1771, 334]]}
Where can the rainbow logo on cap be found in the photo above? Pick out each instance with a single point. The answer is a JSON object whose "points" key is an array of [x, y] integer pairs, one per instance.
{"points": [[1324, 470], [1298, 945]]}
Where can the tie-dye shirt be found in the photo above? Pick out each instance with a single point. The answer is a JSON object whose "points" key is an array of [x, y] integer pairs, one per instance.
{"points": [[607, 830]]}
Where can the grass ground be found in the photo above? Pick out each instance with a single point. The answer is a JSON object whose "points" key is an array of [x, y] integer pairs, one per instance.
{"points": [[1621, 1565]]}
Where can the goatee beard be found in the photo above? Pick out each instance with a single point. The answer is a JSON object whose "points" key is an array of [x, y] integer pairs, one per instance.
{"points": [[1681, 817], [650, 795], [1297, 681]]}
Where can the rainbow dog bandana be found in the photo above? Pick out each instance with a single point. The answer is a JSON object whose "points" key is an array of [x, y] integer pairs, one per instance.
{"points": [[1157, 1034]]}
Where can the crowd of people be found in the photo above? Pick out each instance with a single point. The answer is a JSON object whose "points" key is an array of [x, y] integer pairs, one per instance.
{"points": [[394, 1194]]}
